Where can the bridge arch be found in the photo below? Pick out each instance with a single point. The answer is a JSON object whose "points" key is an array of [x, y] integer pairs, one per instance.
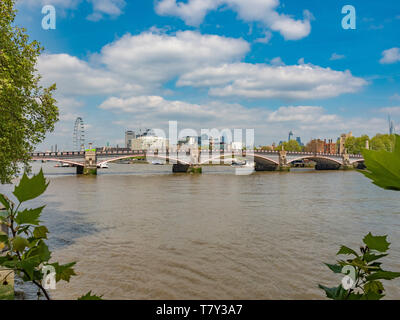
{"points": [[317, 158], [78, 164], [157, 156]]}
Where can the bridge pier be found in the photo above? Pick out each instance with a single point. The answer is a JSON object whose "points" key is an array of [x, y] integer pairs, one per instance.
{"points": [[346, 162], [283, 164], [90, 167]]}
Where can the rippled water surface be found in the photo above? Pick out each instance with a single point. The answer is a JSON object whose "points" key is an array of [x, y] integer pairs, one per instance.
{"points": [[141, 232]]}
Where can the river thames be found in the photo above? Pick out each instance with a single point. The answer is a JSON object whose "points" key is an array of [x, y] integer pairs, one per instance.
{"points": [[141, 232]]}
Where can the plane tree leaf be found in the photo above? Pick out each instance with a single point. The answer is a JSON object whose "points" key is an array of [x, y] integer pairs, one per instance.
{"points": [[383, 167], [378, 243], [30, 188]]}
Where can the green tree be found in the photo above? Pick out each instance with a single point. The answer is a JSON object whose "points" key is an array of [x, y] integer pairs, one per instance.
{"points": [[291, 145], [354, 145], [382, 142], [27, 110]]}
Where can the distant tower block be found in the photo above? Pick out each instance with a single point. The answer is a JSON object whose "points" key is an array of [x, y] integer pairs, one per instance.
{"points": [[290, 135], [79, 135], [391, 126]]}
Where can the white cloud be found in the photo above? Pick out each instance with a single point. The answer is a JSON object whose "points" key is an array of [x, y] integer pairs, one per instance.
{"points": [[302, 114], [336, 56], [390, 56], [267, 37], [101, 8], [266, 81], [277, 61], [156, 111], [140, 63], [76, 77], [153, 57], [112, 8], [391, 110], [396, 97], [193, 13], [63, 4], [306, 121]]}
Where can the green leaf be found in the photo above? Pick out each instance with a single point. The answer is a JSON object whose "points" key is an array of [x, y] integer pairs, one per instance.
{"points": [[19, 244], [355, 296], [374, 286], [30, 188], [4, 201], [90, 296], [378, 243], [368, 257], [41, 251], [336, 293], [346, 250], [29, 265], [64, 272], [40, 232], [372, 296], [384, 275], [29, 216], [3, 237], [334, 267], [383, 167]]}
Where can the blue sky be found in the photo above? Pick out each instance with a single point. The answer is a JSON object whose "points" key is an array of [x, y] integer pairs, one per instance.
{"points": [[270, 65]]}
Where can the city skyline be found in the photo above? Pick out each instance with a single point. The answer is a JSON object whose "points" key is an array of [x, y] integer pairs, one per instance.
{"points": [[274, 69]]}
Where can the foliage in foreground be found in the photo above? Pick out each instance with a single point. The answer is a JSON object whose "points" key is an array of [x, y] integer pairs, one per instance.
{"points": [[27, 110], [27, 253], [363, 271], [355, 145], [383, 167]]}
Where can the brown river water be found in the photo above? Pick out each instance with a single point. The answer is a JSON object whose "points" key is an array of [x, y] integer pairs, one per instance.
{"points": [[141, 232]]}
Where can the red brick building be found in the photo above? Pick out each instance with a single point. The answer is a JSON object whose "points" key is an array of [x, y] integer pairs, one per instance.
{"points": [[321, 146]]}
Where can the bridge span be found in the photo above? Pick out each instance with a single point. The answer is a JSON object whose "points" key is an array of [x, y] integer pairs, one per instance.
{"points": [[88, 161]]}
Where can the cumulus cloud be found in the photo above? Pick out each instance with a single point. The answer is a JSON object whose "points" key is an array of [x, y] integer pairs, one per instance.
{"points": [[140, 63], [154, 111], [77, 77], [267, 37], [64, 4], [112, 8], [101, 8], [390, 56], [303, 114], [270, 125], [155, 57], [193, 13], [266, 81]]}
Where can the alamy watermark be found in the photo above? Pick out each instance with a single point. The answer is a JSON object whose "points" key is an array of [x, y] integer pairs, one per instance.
{"points": [[209, 146], [349, 21], [49, 20], [349, 280], [49, 277]]}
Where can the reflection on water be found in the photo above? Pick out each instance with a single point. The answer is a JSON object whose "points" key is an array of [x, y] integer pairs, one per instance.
{"points": [[141, 232]]}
